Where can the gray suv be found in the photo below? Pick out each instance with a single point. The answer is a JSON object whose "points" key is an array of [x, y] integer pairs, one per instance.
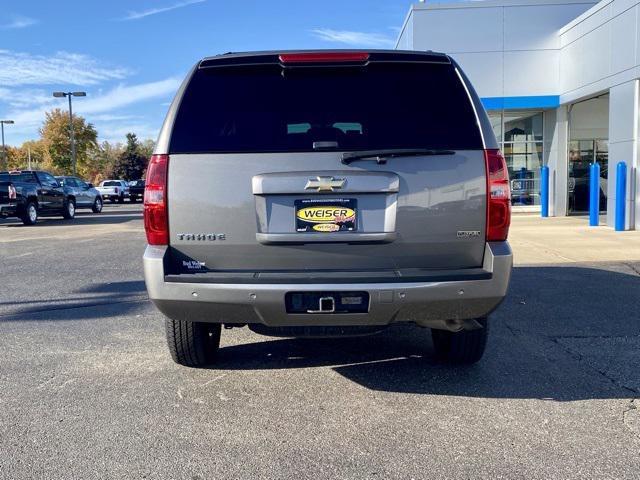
{"points": [[326, 193], [84, 194]]}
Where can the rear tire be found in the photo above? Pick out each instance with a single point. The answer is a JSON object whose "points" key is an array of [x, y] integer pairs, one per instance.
{"points": [[97, 205], [463, 348], [30, 216], [69, 210], [121, 199], [192, 344]]}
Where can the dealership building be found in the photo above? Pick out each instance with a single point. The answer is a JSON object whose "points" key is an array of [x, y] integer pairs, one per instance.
{"points": [[560, 81]]}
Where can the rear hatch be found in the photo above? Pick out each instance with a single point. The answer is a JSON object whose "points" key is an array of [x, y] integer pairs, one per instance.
{"points": [[299, 163]]}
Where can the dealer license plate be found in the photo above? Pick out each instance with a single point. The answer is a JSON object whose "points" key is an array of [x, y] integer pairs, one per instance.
{"points": [[326, 215]]}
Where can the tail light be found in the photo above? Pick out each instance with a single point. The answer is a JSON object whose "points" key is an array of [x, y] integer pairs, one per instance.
{"points": [[156, 222], [12, 192], [498, 196], [323, 57]]}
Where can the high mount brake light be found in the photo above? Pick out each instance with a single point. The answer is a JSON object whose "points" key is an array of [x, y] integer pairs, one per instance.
{"points": [[156, 222], [498, 196], [323, 57]]}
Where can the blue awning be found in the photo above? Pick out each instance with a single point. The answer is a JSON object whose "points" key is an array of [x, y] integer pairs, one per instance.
{"points": [[514, 103]]}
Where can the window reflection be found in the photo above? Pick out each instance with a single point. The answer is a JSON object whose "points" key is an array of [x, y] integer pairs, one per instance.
{"points": [[588, 133], [582, 154], [523, 150]]}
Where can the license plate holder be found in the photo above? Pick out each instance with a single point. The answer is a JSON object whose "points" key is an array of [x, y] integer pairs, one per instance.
{"points": [[326, 215], [327, 303]]}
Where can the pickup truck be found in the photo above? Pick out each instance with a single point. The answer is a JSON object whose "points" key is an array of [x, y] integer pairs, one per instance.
{"points": [[28, 194], [136, 190], [327, 193], [114, 190]]}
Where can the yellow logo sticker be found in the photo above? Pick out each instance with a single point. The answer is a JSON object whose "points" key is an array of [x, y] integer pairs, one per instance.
{"points": [[325, 214], [326, 227]]}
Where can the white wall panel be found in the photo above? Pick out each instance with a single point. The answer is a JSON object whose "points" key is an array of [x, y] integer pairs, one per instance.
{"points": [[531, 73], [622, 108], [599, 17], [596, 54], [458, 30], [485, 70], [623, 40], [535, 27], [569, 65], [623, 146], [620, 6]]}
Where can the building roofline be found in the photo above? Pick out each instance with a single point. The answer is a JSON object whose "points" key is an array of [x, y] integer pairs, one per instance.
{"points": [[584, 15], [494, 3]]}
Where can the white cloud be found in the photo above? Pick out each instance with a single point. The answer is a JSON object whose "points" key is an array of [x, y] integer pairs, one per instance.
{"points": [[17, 68], [117, 133], [153, 11], [25, 97], [124, 95], [109, 117], [356, 39], [96, 109], [18, 21]]}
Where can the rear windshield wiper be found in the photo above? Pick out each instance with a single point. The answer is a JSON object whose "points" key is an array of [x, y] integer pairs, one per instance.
{"points": [[381, 156]]}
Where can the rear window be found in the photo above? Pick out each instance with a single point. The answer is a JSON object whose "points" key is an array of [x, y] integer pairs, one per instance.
{"points": [[268, 109], [111, 184], [17, 177]]}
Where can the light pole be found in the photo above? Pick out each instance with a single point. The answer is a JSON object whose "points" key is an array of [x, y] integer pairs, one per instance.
{"points": [[73, 137], [4, 149]]}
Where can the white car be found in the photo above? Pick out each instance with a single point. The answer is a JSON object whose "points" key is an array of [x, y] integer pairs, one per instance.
{"points": [[114, 190]]}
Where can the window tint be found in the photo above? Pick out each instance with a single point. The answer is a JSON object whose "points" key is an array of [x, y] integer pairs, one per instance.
{"points": [[263, 109], [111, 183], [48, 179], [70, 182], [17, 177]]}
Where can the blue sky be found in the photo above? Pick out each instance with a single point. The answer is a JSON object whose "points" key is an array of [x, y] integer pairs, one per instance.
{"points": [[130, 56]]}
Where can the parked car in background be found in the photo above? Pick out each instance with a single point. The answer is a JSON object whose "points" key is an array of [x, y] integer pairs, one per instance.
{"points": [[114, 190], [28, 194], [84, 194], [136, 190], [327, 193]]}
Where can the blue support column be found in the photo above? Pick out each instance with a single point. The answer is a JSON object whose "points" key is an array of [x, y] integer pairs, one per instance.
{"points": [[594, 194], [544, 191], [621, 194]]}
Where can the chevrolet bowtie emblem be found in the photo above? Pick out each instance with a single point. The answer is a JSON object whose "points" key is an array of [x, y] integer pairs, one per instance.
{"points": [[325, 184]]}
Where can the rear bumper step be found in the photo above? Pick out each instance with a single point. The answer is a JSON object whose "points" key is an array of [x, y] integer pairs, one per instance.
{"points": [[335, 277], [392, 299]]}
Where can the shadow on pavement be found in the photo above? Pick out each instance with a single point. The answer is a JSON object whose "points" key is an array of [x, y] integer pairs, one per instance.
{"points": [[526, 356], [112, 215], [119, 297]]}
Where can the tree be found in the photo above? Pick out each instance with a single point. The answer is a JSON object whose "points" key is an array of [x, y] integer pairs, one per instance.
{"points": [[103, 161], [131, 162], [55, 135], [147, 147], [18, 157]]}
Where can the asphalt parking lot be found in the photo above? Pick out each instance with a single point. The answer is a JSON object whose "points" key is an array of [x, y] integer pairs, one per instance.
{"points": [[88, 390]]}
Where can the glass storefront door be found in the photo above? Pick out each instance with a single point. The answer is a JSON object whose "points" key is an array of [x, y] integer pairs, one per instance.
{"points": [[520, 135], [588, 132], [582, 153]]}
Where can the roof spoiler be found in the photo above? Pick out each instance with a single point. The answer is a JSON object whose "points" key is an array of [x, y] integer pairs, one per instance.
{"points": [[306, 58]]}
